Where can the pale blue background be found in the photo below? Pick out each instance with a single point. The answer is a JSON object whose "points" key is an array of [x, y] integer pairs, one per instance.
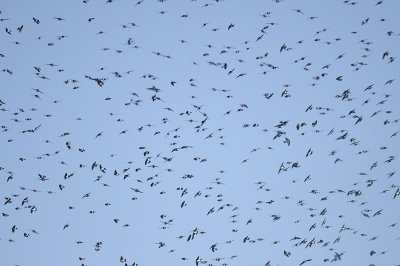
{"points": [[80, 54]]}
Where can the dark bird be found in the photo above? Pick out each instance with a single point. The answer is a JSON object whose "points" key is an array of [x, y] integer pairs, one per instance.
{"points": [[283, 47]]}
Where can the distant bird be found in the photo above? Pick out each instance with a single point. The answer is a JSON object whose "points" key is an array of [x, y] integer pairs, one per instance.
{"points": [[283, 47], [86, 195], [397, 193]]}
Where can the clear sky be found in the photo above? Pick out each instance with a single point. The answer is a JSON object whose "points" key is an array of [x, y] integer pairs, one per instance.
{"points": [[224, 132]]}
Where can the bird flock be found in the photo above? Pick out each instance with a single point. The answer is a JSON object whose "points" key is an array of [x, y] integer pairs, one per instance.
{"points": [[199, 132]]}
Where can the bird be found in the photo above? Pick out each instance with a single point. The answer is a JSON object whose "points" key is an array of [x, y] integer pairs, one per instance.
{"points": [[397, 193], [283, 47], [86, 195]]}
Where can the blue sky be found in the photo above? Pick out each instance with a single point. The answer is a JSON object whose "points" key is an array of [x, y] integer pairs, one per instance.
{"points": [[173, 100]]}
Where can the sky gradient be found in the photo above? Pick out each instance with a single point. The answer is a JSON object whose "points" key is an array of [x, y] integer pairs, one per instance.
{"points": [[199, 132]]}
